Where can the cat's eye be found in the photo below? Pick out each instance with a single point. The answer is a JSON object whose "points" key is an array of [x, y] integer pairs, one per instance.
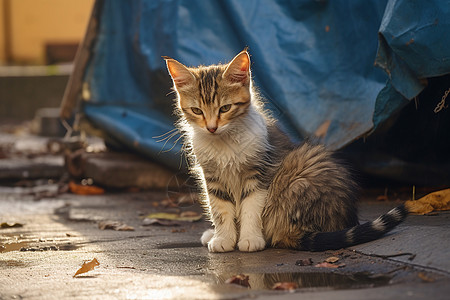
{"points": [[225, 108], [196, 110]]}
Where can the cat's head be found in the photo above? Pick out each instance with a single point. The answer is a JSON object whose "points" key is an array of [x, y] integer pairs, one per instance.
{"points": [[211, 97]]}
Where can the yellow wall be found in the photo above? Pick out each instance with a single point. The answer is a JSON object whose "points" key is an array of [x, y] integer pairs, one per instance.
{"points": [[2, 31], [35, 22]]}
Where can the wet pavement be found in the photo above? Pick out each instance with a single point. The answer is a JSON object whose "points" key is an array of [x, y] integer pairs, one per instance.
{"points": [[58, 231], [38, 260]]}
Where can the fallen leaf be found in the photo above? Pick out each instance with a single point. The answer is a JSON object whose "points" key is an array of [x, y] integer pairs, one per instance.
{"points": [[304, 262], [160, 222], [329, 265], [439, 200], [10, 225], [87, 266], [240, 279], [285, 286], [425, 277], [168, 203], [188, 216], [114, 225], [85, 189], [332, 259]]}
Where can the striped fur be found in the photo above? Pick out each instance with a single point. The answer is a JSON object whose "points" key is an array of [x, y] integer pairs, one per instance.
{"points": [[260, 189], [320, 241]]}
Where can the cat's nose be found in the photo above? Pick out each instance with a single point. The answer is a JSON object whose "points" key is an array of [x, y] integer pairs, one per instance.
{"points": [[212, 129]]}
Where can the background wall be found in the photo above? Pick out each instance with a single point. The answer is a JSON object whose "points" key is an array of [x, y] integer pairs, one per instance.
{"points": [[27, 27]]}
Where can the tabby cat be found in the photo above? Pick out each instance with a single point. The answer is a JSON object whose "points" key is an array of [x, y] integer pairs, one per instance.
{"points": [[259, 188]]}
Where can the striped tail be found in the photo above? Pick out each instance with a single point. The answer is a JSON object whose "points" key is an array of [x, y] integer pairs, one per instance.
{"points": [[321, 241]]}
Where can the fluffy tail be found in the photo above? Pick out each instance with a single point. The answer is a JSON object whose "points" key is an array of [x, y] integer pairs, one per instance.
{"points": [[321, 241]]}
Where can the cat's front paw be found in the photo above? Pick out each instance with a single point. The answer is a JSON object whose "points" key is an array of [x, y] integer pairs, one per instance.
{"points": [[219, 244], [252, 244]]}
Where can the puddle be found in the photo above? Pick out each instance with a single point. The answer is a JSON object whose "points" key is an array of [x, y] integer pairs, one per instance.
{"points": [[316, 280], [25, 246]]}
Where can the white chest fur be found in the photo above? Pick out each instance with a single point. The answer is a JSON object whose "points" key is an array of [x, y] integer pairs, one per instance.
{"points": [[232, 150]]}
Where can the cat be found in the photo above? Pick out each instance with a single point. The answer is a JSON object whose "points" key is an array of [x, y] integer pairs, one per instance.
{"points": [[258, 188]]}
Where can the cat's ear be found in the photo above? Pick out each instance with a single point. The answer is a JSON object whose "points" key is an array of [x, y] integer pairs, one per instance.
{"points": [[238, 69], [181, 76]]}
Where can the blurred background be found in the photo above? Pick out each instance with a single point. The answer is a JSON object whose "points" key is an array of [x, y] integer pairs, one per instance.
{"points": [[367, 78], [38, 43]]}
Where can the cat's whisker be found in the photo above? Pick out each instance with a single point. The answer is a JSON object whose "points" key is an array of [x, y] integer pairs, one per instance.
{"points": [[167, 140], [173, 146], [164, 134], [171, 92]]}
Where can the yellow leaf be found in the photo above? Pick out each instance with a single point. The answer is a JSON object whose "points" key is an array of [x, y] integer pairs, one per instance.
{"points": [[439, 200], [87, 266], [332, 259], [186, 216]]}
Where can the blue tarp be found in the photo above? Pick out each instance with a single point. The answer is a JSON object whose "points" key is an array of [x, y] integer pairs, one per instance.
{"points": [[313, 61]]}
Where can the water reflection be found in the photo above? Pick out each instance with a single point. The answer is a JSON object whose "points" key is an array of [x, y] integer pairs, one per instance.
{"points": [[314, 280]]}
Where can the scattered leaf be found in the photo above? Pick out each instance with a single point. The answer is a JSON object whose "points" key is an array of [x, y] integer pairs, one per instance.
{"points": [[87, 266], [10, 225], [285, 286], [329, 265], [304, 262], [332, 259], [160, 222], [439, 200], [240, 279], [168, 203], [85, 189], [114, 225], [339, 252], [425, 277], [189, 216]]}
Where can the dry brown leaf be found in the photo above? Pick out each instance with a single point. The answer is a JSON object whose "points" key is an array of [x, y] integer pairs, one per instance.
{"points": [[439, 200], [329, 265], [240, 279], [10, 225], [425, 277], [188, 216], [87, 266], [160, 222], [332, 259], [285, 286], [114, 225], [85, 189]]}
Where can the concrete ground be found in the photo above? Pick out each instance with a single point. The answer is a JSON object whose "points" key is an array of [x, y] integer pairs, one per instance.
{"points": [[61, 230]]}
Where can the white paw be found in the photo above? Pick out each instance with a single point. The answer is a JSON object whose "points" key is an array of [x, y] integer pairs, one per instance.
{"points": [[219, 244], [251, 244], [207, 236]]}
